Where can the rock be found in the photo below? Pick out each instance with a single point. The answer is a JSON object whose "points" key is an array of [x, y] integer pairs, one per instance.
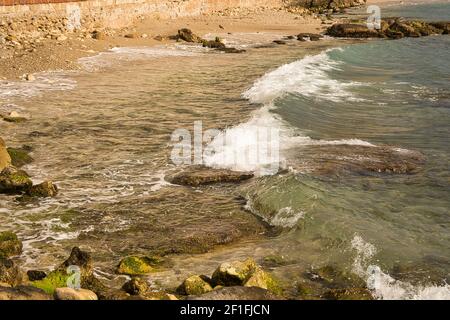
{"points": [[262, 279], [349, 30], [348, 294], [188, 36], [44, 189], [74, 294], [231, 50], [236, 293], [61, 277], [14, 117], [195, 285], [29, 77], [444, 26], [196, 176], [35, 275], [98, 35], [214, 44], [23, 293], [279, 41], [131, 36], [5, 158], [61, 38], [309, 36], [135, 265], [10, 245], [136, 286], [19, 157], [234, 273], [159, 38], [14, 181], [9, 272]]}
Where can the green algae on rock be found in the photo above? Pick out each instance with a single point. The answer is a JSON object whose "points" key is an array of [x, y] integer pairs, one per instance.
{"points": [[10, 245], [136, 286], [138, 265], [19, 157], [13, 180], [195, 285], [44, 189]]}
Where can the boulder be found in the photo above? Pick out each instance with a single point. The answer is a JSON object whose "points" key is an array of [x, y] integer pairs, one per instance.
{"points": [[234, 273], [34, 275], [74, 294], [444, 26], [188, 36], [5, 158], [98, 35], [44, 189], [136, 286], [199, 175], [262, 279], [9, 272], [348, 294], [23, 293], [10, 245], [137, 265], [236, 293], [195, 285], [214, 44], [13, 180]]}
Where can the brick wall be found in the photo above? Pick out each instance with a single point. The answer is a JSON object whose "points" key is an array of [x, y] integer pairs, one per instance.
{"points": [[19, 2]]}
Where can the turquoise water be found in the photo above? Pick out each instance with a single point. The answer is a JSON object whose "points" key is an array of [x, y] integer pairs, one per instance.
{"points": [[438, 11]]}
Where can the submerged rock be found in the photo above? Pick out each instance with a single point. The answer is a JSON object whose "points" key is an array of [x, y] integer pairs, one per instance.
{"points": [[44, 189], [10, 245], [348, 294], [5, 158], [13, 180], [136, 286], [19, 157], [195, 285], [214, 44], [196, 176], [135, 265], [352, 30], [74, 294], [236, 293], [23, 293]]}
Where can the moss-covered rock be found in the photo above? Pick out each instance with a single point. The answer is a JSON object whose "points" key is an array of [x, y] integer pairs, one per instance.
{"points": [[10, 245], [19, 157], [54, 280], [138, 265], [14, 181], [195, 285], [234, 273], [136, 286], [44, 189], [265, 280]]}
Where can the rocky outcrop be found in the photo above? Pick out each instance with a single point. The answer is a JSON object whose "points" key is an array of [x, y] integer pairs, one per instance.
{"points": [[199, 175], [13, 180], [136, 286], [10, 272], [390, 28], [324, 5], [188, 36], [44, 189], [20, 156]]}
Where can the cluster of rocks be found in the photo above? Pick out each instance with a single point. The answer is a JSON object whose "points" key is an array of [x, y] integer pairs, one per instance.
{"points": [[200, 175], [13, 180], [330, 6], [188, 36], [394, 28]]}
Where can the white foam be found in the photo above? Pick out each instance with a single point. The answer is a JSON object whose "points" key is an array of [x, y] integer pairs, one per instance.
{"points": [[232, 148], [120, 54], [46, 81], [307, 77], [383, 286]]}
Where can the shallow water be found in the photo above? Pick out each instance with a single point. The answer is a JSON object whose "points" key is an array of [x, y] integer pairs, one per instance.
{"points": [[103, 135]]}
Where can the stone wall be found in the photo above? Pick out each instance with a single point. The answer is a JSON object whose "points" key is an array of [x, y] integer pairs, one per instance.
{"points": [[120, 13]]}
